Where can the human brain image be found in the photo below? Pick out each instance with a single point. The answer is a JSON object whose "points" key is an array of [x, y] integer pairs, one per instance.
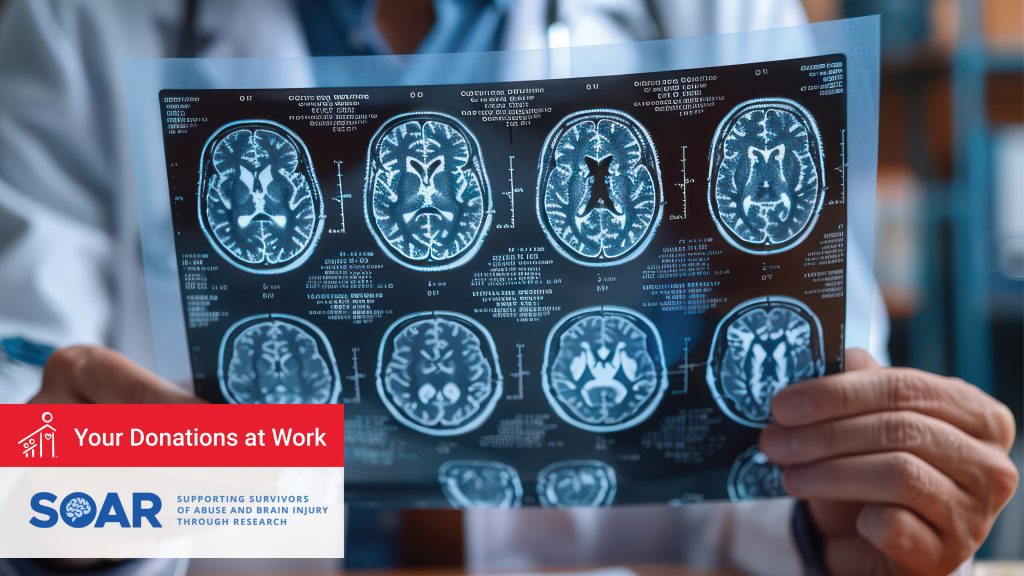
{"points": [[77, 508], [599, 193], [760, 347], [277, 359], [604, 369], [752, 476], [767, 180], [480, 484], [259, 202], [576, 484], [428, 200], [438, 373]]}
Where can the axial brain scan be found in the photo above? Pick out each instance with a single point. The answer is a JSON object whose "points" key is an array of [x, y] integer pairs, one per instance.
{"points": [[259, 202], [767, 179], [599, 195], [438, 373], [277, 359], [752, 476], [576, 483], [480, 484], [604, 369], [428, 201], [760, 347]]}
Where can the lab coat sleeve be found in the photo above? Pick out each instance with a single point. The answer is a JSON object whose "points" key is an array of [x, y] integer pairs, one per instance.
{"points": [[55, 172]]}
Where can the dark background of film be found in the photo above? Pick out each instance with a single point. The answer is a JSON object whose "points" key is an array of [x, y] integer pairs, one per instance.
{"points": [[685, 450]]}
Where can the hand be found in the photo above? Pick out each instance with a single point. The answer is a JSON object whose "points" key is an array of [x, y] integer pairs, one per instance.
{"points": [[92, 374], [97, 375], [903, 471]]}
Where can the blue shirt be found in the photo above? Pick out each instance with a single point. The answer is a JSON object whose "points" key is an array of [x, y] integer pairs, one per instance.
{"points": [[347, 28]]}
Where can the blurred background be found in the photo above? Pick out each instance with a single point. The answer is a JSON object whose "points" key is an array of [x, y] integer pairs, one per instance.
{"points": [[950, 228]]}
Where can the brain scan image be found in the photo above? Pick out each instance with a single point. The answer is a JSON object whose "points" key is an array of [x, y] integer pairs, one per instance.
{"points": [[767, 180], [576, 483], [480, 484], [260, 206], [752, 476], [277, 359], [438, 373], [604, 369], [599, 195], [761, 346], [428, 200]]}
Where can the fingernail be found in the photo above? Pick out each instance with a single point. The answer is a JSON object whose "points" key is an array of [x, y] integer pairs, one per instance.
{"points": [[791, 404]]}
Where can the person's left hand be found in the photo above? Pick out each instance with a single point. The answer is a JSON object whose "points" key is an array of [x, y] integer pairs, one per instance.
{"points": [[903, 471]]}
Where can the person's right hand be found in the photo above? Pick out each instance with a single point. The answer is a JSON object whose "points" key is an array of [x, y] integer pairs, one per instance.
{"points": [[97, 375]]}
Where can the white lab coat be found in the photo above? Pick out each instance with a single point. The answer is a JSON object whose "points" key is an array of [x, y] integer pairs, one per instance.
{"points": [[70, 270]]}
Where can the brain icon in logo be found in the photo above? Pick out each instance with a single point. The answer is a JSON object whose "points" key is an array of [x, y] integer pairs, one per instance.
{"points": [[767, 180], [761, 346], [480, 484], [78, 509], [428, 200], [599, 196], [604, 369], [576, 483], [277, 359], [260, 205], [438, 373], [752, 476]]}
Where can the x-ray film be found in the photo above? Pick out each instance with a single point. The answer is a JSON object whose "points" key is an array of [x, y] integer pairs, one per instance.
{"points": [[553, 291]]}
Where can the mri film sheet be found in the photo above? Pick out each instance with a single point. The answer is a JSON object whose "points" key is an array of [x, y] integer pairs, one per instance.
{"points": [[562, 292]]}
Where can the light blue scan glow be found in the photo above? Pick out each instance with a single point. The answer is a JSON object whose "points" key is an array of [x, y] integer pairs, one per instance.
{"points": [[599, 192], [427, 200], [260, 205], [277, 359], [604, 369], [576, 484], [752, 476], [760, 347], [438, 373], [480, 484], [767, 180]]}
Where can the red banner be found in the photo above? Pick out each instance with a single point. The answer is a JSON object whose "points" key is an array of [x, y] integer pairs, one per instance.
{"points": [[172, 435]]}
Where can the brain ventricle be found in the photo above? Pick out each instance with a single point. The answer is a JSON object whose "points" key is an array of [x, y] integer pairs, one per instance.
{"points": [[260, 204], [600, 191], [428, 200], [439, 374], [278, 363], [604, 371], [767, 178]]}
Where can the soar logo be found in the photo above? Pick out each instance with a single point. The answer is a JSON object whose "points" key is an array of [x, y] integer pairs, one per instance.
{"points": [[79, 510]]}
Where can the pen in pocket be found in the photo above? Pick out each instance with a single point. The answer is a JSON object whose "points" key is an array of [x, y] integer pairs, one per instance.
{"points": [[19, 350]]}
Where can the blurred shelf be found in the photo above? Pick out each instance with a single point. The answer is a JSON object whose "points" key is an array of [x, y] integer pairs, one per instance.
{"points": [[924, 59], [1005, 60]]}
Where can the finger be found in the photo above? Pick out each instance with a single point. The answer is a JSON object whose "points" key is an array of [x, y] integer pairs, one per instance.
{"points": [[878, 390], [892, 478], [859, 359], [854, 556], [833, 518], [972, 464], [903, 538], [103, 376]]}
